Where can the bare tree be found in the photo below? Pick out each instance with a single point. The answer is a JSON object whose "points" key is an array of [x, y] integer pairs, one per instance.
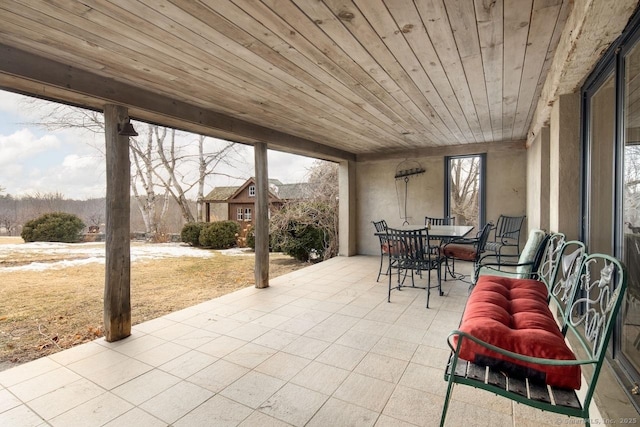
{"points": [[163, 168], [318, 210], [465, 182]]}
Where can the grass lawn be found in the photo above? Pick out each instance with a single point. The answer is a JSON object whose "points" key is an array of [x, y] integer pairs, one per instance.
{"points": [[42, 312]]}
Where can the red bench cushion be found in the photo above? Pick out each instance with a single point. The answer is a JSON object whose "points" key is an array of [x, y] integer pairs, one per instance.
{"points": [[513, 314]]}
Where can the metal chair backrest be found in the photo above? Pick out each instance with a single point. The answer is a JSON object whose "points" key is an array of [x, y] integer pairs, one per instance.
{"points": [[483, 236], [508, 229], [380, 225], [447, 220]]}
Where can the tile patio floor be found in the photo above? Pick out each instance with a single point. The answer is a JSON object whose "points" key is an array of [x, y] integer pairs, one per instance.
{"points": [[319, 347]]}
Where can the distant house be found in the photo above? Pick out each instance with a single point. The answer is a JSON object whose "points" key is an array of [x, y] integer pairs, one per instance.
{"points": [[238, 203]]}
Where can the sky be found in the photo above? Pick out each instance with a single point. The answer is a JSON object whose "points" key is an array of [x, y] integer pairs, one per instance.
{"points": [[34, 160]]}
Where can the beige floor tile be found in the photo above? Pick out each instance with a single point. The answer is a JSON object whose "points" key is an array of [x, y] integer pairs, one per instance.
{"points": [[341, 356], [161, 354], [217, 411], [250, 355], [424, 378], [475, 416], [306, 347], [27, 371], [412, 334], [65, 398], [293, 404], [176, 401], [117, 374], [339, 413], [263, 420], [43, 384], [371, 327], [382, 367], [359, 340], [398, 349], [146, 386], [276, 339], [218, 375], [196, 338], [77, 353], [271, 320], [297, 326], [97, 411], [320, 377], [138, 418], [365, 391], [221, 346], [252, 389], [431, 356], [20, 416], [134, 345], [8, 401], [415, 407], [188, 364], [283, 365], [248, 331], [387, 421], [153, 325]]}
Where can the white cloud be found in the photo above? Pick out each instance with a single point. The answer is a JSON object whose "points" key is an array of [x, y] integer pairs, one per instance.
{"points": [[22, 145]]}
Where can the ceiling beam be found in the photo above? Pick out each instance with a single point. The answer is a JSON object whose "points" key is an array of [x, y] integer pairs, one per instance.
{"points": [[37, 76], [449, 150], [590, 29]]}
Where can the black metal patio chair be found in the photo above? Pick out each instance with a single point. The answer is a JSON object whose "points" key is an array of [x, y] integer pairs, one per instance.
{"points": [[409, 254], [468, 249], [507, 235], [381, 227]]}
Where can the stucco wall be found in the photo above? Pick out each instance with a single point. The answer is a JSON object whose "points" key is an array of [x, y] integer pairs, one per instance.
{"points": [[380, 196]]}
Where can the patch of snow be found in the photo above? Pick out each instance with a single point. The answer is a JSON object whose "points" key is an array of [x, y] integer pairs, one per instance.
{"points": [[95, 253]]}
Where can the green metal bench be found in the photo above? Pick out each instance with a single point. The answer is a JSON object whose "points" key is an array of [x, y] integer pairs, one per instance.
{"points": [[587, 292]]}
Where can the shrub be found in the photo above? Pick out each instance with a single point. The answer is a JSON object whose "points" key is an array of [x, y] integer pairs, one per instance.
{"points": [[303, 240], [219, 234], [191, 233], [251, 238], [53, 227]]}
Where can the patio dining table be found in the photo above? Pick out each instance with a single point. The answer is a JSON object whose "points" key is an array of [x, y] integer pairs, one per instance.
{"points": [[437, 231]]}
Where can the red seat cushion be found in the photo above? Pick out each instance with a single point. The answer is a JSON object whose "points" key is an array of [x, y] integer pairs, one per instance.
{"points": [[513, 314], [461, 252]]}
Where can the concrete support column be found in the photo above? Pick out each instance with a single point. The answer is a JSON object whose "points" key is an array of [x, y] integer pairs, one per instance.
{"points": [[564, 165], [262, 216], [117, 287], [538, 181], [347, 210]]}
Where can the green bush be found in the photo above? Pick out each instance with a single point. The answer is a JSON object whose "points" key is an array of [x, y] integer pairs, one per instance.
{"points": [[191, 233], [219, 234], [53, 227], [302, 241]]}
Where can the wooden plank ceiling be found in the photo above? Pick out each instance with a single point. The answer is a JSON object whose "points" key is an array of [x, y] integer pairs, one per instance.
{"points": [[367, 77]]}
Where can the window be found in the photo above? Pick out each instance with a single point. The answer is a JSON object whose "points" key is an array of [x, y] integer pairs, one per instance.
{"points": [[239, 214], [252, 191], [464, 195], [247, 214], [611, 183]]}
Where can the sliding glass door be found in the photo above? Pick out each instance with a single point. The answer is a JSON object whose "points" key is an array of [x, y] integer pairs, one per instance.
{"points": [[465, 189]]}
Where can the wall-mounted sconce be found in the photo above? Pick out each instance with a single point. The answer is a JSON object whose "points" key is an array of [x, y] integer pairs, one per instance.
{"points": [[127, 129]]}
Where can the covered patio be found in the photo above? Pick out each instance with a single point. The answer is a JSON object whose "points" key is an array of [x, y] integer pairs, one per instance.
{"points": [[366, 84], [319, 347]]}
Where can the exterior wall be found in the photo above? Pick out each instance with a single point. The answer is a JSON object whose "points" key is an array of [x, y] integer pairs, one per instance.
{"points": [[538, 181], [564, 166], [380, 196]]}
